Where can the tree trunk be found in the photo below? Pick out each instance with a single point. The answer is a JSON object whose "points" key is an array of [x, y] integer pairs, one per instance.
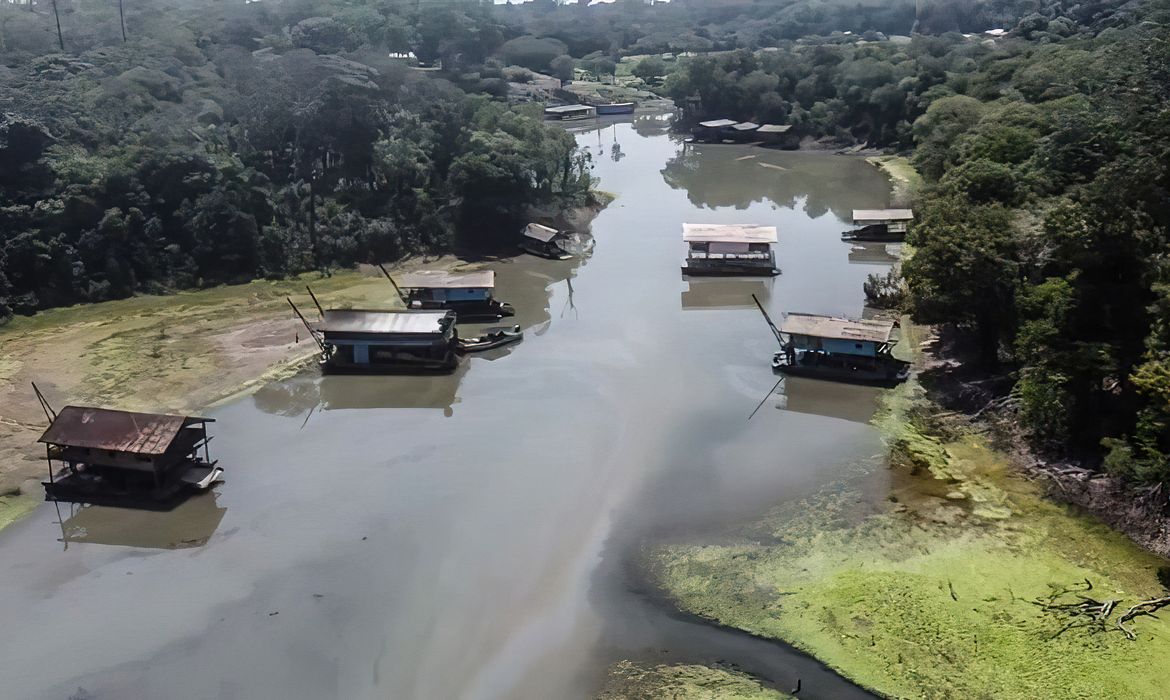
{"points": [[57, 16]]}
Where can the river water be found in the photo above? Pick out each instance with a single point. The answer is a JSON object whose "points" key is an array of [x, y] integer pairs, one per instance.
{"points": [[475, 536]]}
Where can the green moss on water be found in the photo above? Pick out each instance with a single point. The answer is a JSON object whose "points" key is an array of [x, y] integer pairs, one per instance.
{"points": [[15, 507], [905, 180], [631, 681], [929, 589]]}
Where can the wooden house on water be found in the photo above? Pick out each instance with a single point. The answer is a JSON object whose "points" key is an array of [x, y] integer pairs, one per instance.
{"points": [[468, 294], [730, 249], [359, 340], [841, 349], [133, 460], [545, 242], [777, 136], [712, 131], [879, 225]]}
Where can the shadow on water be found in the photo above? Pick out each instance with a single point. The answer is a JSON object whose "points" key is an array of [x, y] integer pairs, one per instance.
{"points": [[191, 524], [722, 293], [737, 176]]}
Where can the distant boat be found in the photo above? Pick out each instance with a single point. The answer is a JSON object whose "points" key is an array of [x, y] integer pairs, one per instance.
{"points": [[491, 338], [567, 113], [615, 108]]}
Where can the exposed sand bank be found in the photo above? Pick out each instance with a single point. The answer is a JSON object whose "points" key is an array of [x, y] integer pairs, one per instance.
{"points": [[177, 353]]}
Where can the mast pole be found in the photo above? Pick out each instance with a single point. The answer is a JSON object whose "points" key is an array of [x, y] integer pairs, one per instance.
{"points": [[311, 331], [775, 330]]}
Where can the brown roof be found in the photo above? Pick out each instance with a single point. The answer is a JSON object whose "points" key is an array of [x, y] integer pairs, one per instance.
{"points": [[837, 328], [117, 431]]}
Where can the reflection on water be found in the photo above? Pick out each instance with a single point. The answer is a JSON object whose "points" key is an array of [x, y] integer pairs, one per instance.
{"points": [[722, 293], [191, 524], [724, 175], [829, 399], [871, 253]]}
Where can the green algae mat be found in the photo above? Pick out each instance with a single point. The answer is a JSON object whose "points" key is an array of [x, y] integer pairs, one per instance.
{"points": [[631, 681], [945, 575]]}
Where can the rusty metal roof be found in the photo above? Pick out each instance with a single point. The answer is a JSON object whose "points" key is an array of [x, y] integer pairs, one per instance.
{"points": [[116, 431]]}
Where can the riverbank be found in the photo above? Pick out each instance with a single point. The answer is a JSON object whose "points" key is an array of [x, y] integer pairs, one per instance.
{"points": [[633, 681], [937, 576], [905, 181], [178, 353]]}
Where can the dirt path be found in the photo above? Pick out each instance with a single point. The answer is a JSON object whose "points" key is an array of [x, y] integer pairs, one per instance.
{"points": [[179, 353]]}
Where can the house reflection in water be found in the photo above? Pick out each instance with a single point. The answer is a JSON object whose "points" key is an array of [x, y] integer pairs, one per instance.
{"points": [[307, 393], [191, 524], [719, 293]]}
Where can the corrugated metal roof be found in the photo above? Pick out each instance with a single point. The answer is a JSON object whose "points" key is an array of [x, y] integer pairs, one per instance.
{"points": [[540, 233], [718, 123], [363, 321], [774, 128], [745, 126], [837, 328], [880, 215], [117, 431], [729, 233], [440, 279]]}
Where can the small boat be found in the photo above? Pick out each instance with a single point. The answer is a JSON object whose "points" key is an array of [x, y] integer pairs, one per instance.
{"points": [[201, 478], [568, 113], [615, 108], [491, 338], [545, 242]]}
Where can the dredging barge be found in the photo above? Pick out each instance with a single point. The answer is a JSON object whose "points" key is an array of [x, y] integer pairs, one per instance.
{"points": [[469, 294], [150, 461], [366, 341]]}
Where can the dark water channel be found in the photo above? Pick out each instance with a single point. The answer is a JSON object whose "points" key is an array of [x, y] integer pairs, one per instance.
{"points": [[473, 536]]}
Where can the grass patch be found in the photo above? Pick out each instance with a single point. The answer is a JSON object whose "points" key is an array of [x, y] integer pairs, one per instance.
{"points": [[904, 178], [630, 681], [15, 507], [928, 587]]}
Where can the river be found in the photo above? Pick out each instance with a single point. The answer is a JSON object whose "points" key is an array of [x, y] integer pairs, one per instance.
{"points": [[476, 536]]}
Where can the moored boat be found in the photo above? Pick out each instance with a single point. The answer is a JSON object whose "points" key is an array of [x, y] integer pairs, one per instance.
{"points": [[491, 338], [544, 241], [615, 108], [730, 249], [882, 225], [468, 294]]}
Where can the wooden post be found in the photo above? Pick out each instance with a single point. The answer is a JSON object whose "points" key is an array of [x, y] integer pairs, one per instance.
{"points": [[314, 298], [57, 16], [122, 19]]}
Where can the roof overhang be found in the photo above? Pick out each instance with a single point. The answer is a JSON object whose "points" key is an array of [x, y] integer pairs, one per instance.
{"points": [[728, 233]]}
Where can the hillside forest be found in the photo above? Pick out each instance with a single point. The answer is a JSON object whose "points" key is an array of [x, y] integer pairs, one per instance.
{"points": [[214, 143]]}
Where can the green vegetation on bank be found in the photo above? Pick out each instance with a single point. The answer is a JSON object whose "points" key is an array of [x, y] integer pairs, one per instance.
{"points": [[934, 591], [631, 681]]}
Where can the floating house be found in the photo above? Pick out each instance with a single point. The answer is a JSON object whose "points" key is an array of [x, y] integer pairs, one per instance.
{"points": [[712, 131], [545, 242], [365, 341], [615, 108], [743, 131], [879, 225], [836, 348], [777, 135], [570, 112], [730, 249], [468, 294], [152, 461]]}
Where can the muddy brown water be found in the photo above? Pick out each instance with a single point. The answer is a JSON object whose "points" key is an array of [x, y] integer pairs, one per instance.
{"points": [[476, 536]]}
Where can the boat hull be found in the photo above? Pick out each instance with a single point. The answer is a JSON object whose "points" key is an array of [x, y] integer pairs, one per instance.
{"points": [[884, 373], [730, 270], [96, 490], [616, 108]]}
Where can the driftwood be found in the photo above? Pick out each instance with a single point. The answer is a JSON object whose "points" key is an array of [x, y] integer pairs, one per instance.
{"points": [[1144, 608]]}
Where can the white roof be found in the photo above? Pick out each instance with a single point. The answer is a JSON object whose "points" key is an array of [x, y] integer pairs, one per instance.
{"points": [[440, 279], [562, 109], [837, 328], [362, 321], [860, 215], [540, 233], [728, 233], [745, 126], [717, 123], [774, 128]]}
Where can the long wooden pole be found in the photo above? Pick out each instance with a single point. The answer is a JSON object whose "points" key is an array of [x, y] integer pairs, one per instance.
{"points": [[311, 331], [314, 298], [57, 16], [122, 19], [775, 330], [384, 272]]}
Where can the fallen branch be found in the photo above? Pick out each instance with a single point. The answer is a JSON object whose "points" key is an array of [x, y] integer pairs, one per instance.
{"points": [[1144, 608]]}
